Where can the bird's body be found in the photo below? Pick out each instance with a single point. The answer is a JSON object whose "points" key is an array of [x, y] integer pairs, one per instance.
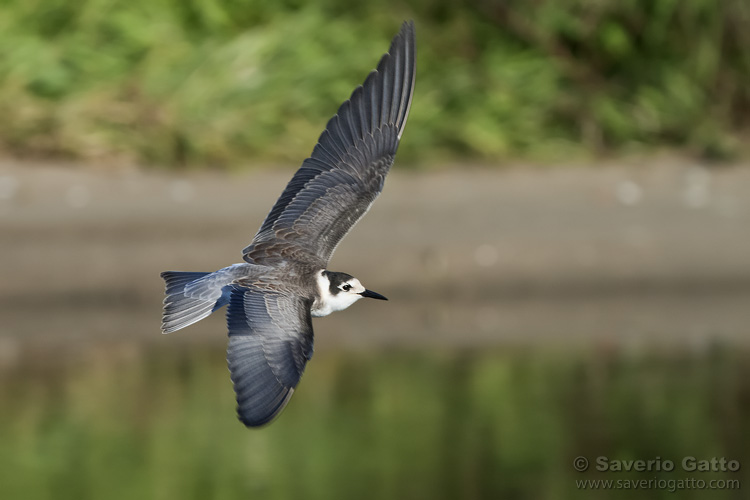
{"points": [[283, 281]]}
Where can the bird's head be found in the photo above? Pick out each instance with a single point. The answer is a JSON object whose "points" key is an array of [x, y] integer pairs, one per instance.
{"points": [[337, 291]]}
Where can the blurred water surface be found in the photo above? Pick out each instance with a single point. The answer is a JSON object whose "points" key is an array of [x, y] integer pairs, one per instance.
{"points": [[534, 317], [119, 421]]}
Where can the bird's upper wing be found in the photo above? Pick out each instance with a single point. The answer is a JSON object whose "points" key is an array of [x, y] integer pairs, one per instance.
{"points": [[336, 186], [270, 342]]}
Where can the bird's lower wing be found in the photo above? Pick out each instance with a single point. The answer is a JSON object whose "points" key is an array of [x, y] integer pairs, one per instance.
{"points": [[270, 342]]}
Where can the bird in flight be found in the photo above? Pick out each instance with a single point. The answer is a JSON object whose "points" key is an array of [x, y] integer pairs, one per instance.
{"points": [[284, 282]]}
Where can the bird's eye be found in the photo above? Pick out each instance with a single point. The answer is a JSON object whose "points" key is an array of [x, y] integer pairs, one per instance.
{"points": [[346, 288]]}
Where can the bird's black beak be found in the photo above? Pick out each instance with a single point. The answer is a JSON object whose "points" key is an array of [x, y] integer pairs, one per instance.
{"points": [[372, 295]]}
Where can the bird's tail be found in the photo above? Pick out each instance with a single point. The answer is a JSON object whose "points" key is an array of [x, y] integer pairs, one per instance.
{"points": [[187, 301]]}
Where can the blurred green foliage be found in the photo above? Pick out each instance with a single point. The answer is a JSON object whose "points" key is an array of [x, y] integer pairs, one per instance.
{"points": [[222, 82], [124, 424]]}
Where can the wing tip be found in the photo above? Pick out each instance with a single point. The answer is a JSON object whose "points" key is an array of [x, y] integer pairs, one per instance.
{"points": [[258, 422], [401, 62], [409, 36], [407, 32]]}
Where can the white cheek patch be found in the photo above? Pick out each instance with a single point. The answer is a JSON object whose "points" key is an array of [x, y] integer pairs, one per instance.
{"points": [[357, 287], [323, 285], [341, 301]]}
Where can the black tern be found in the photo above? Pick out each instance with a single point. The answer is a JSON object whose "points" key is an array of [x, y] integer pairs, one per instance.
{"points": [[284, 282]]}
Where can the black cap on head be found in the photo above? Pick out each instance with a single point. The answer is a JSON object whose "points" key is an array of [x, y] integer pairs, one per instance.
{"points": [[335, 279]]}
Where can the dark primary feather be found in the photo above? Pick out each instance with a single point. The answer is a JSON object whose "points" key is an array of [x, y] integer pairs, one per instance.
{"points": [[334, 188], [270, 342]]}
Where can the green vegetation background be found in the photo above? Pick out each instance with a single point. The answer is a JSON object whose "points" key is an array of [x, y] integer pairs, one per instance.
{"points": [[231, 82]]}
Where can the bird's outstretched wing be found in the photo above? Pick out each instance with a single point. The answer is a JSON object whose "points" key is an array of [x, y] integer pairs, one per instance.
{"points": [[336, 186], [270, 342]]}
